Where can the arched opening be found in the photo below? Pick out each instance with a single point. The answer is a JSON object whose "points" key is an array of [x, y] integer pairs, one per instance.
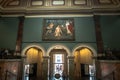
{"points": [[58, 63], [33, 64], [84, 64]]}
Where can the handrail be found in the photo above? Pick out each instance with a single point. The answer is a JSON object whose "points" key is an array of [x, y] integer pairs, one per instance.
{"points": [[6, 75]]}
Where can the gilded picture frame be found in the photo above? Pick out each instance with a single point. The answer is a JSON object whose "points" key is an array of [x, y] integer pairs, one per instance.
{"points": [[58, 29]]}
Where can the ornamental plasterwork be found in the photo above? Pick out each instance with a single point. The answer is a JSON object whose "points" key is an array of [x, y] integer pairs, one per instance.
{"points": [[83, 4], [58, 6], [105, 1], [58, 2], [106, 4], [10, 3], [14, 3], [36, 3], [80, 2]]}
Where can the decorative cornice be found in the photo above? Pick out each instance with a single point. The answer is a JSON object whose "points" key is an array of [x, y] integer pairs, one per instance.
{"points": [[46, 7]]}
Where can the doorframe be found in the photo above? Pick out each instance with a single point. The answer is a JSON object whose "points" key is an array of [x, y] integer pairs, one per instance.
{"points": [[23, 55], [57, 51], [92, 49]]}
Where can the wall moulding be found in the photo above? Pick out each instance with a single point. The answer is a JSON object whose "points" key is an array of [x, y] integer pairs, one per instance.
{"points": [[58, 7]]}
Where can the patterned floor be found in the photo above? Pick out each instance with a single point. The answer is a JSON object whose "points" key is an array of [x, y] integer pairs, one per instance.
{"points": [[84, 78]]}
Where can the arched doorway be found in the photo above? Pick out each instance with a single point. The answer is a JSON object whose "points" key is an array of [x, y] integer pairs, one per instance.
{"points": [[33, 64], [58, 64], [84, 64]]}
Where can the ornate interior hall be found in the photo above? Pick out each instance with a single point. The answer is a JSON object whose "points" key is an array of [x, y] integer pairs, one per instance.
{"points": [[59, 39]]}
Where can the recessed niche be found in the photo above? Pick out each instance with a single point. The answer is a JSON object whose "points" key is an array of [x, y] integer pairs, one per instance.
{"points": [[77, 2], [105, 1], [58, 2], [14, 3], [37, 3]]}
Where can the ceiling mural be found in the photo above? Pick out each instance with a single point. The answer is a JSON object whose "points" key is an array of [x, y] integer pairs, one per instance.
{"points": [[40, 7]]}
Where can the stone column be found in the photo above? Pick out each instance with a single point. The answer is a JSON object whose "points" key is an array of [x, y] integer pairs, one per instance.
{"points": [[23, 67], [99, 40], [98, 69], [77, 69], [19, 36], [45, 68], [71, 67]]}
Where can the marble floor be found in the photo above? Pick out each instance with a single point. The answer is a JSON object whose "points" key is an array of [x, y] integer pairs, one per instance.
{"points": [[83, 78]]}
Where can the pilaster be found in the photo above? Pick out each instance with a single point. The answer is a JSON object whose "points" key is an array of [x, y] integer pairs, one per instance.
{"points": [[99, 40], [19, 35], [45, 68], [71, 67]]}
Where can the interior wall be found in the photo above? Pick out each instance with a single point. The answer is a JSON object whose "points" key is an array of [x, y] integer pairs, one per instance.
{"points": [[109, 70], [33, 28], [10, 69], [110, 26], [8, 32], [84, 29], [84, 32], [83, 26]]}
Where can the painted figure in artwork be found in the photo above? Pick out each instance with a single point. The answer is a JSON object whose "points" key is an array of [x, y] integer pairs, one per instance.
{"points": [[49, 28], [69, 28], [58, 31]]}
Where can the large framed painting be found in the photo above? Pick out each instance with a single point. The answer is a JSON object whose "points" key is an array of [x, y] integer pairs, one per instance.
{"points": [[58, 29]]}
